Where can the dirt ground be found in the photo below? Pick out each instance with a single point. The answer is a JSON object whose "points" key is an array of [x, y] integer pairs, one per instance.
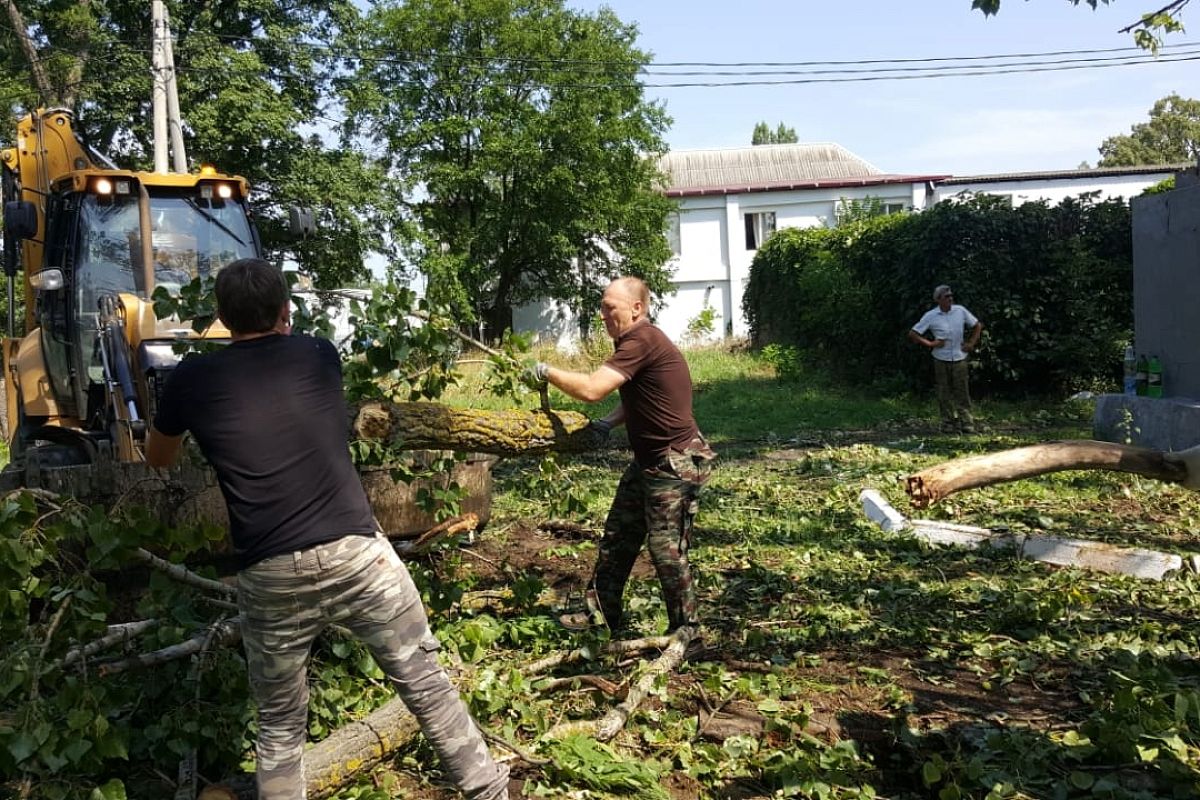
{"points": [[846, 706]]}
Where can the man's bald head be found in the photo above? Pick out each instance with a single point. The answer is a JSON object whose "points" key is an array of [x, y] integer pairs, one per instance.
{"points": [[633, 288]]}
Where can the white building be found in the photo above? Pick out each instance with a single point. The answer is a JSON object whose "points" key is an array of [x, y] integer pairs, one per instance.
{"points": [[731, 200]]}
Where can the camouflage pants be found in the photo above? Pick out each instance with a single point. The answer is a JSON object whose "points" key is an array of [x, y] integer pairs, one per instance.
{"points": [[654, 506], [358, 582], [954, 398]]}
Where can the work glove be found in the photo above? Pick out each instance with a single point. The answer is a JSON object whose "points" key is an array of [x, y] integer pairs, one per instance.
{"points": [[599, 429], [1190, 459], [535, 376]]}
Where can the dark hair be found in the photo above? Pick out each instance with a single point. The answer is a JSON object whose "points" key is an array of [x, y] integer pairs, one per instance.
{"points": [[250, 295]]}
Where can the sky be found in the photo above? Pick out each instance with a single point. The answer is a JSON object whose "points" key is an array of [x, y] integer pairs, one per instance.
{"points": [[948, 125]]}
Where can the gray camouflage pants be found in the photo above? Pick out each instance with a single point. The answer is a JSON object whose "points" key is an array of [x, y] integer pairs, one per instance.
{"points": [[358, 582]]}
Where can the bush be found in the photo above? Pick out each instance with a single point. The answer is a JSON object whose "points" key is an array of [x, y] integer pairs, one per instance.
{"points": [[1052, 286]]}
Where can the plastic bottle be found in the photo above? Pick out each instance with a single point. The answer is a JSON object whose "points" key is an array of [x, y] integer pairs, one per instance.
{"points": [[1130, 385], [1142, 376], [1154, 378]]}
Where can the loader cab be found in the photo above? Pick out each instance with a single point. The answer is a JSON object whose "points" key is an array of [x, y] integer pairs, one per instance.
{"points": [[113, 234]]}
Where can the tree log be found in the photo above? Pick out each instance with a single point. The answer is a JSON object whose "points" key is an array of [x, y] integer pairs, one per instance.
{"points": [[353, 748], [432, 426], [935, 483]]}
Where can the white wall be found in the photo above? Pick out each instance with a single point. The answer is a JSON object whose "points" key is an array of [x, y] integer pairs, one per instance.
{"points": [[550, 321], [717, 256]]}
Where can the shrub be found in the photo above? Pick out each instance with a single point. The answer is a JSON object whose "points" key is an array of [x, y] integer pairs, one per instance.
{"points": [[1052, 286]]}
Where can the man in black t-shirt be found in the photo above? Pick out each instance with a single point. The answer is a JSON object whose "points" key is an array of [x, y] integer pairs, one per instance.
{"points": [[658, 495], [268, 412]]}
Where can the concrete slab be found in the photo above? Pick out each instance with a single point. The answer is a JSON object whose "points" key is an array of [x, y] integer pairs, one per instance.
{"points": [[1059, 550], [1161, 423]]}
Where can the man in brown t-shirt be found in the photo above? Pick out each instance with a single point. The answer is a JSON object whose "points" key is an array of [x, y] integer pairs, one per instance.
{"points": [[658, 495]]}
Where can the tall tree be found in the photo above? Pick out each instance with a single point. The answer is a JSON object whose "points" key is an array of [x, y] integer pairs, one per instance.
{"points": [[530, 152], [254, 84], [1171, 136], [782, 134], [1147, 30]]}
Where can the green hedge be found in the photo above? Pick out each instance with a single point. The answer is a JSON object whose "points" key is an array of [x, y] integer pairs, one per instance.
{"points": [[1053, 286]]}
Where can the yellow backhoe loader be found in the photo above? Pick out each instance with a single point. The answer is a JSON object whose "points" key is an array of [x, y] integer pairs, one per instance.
{"points": [[92, 242]]}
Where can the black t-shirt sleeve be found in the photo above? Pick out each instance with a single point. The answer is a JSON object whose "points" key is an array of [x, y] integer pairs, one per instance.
{"points": [[170, 418]]}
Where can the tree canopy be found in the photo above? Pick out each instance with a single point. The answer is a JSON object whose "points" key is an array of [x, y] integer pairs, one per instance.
{"points": [[1170, 136], [1147, 30], [521, 134], [782, 134]]}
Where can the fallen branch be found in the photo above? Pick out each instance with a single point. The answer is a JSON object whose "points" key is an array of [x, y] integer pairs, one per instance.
{"points": [[117, 634], [611, 723], [507, 745], [582, 653], [220, 634], [432, 426], [184, 575], [936, 483], [594, 681], [438, 533]]}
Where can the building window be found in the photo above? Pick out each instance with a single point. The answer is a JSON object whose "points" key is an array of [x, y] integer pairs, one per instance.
{"points": [[857, 209], [673, 240], [759, 227]]}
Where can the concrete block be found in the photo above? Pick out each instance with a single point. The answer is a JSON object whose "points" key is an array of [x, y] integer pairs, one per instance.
{"points": [[881, 512], [1100, 556], [1058, 550], [1161, 423], [968, 536]]}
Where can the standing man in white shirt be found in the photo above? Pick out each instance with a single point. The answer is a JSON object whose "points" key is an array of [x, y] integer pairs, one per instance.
{"points": [[947, 325]]}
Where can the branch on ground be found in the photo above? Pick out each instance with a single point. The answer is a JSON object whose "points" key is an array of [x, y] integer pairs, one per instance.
{"points": [[930, 485]]}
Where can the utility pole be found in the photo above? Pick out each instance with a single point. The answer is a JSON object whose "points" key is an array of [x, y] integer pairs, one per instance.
{"points": [[158, 58], [168, 126]]}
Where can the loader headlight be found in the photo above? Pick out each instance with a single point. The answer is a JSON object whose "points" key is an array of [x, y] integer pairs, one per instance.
{"points": [[220, 191], [108, 186]]}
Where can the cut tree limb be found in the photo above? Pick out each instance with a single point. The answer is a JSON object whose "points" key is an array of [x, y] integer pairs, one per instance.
{"points": [[221, 634], [611, 723], [581, 653], [351, 749], [184, 575], [432, 426], [117, 634], [936, 483]]}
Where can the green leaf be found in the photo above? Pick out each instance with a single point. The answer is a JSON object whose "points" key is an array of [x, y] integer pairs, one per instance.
{"points": [[112, 745], [1082, 780], [113, 790], [22, 746], [930, 773]]}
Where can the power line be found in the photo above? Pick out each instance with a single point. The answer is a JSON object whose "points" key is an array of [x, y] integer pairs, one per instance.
{"points": [[387, 55], [941, 67]]}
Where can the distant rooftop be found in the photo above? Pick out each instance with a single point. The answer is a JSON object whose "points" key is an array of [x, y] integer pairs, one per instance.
{"points": [[776, 167], [1059, 174]]}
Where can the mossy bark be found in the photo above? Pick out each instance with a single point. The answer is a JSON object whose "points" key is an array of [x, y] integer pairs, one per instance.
{"points": [[352, 749], [432, 426]]}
